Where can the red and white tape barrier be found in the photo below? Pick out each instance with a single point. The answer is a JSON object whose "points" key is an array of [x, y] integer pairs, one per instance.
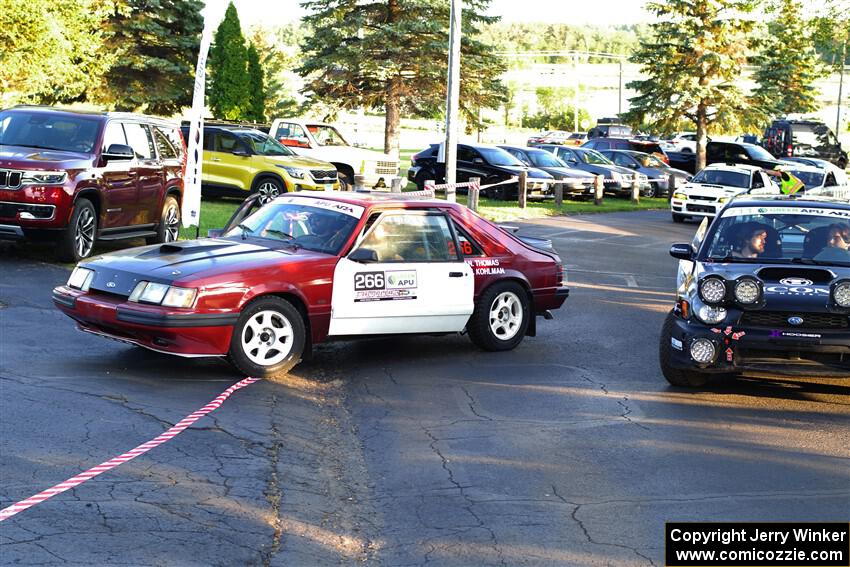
{"points": [[10, 511]]}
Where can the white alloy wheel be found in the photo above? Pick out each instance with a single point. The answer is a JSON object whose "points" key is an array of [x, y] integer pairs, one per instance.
{"points": [[506, 316], [84, 232], [267, 338], [172, 222]]}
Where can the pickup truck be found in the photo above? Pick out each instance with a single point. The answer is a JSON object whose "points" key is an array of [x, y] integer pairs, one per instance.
{"points": [[724, 152], [322, 141]]}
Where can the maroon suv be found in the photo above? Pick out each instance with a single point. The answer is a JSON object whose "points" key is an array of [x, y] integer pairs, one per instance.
{"points": [[77, 177]]}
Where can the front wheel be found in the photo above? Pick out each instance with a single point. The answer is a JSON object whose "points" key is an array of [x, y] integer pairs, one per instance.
{"points": [[500, 318], [676, 376], [651, 191], [169, 222], [269, 188], [679, 218], [77, 240], [268, 338], [346, 182]]}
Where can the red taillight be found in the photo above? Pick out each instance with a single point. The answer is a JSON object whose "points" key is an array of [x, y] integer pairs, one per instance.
{"points": [[560, 275], [790, 150]]}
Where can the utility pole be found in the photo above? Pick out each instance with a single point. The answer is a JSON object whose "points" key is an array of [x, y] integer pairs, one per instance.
{"points": [[453, 92], [620, 93], [840, 88], [575, 91]]}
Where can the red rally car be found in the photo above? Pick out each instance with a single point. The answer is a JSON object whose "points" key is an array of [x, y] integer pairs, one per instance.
{"points": [[311, 267]]}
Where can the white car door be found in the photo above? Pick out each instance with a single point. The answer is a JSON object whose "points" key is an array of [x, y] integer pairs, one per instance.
{"points": [[403, 276]]}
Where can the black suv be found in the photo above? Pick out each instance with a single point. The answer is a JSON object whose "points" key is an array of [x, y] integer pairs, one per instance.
{"points": [[804, 138], [764, 288], [489, 163]]}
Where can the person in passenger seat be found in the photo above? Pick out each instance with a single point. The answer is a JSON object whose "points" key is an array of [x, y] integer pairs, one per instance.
{"points": [[837, 247]]}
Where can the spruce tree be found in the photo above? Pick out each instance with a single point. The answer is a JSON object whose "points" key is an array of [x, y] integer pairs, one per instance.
{"points": [[229, 84], [279, 55], [392, 55], [692, 62], [256, 91], [156, 45], [788, 64]]}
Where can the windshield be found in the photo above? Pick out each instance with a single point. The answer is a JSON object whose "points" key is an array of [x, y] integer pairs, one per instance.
{"points": [[650, 161], [326, 135], [814, 135], [758, 152], [594, 158], [545, 159], [498, 156], [721, 177], [781, 235], [49, 131], [810, 179], [265, 145], [313, 224]]}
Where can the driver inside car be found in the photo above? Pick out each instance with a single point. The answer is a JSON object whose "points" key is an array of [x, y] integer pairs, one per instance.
{"points": [[752, 241]]}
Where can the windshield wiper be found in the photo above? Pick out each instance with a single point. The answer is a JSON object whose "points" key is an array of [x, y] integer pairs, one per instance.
{"points": [[813, 262], [279, 233]]}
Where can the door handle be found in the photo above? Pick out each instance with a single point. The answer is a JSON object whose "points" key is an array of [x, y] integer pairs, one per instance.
{"points": [[456, 274], [215, 159]]}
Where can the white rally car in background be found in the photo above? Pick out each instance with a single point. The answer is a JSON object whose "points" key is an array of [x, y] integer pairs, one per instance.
{"points": [[710, 189]]}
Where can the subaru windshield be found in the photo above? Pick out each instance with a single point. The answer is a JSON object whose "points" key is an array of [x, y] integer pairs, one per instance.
{"points": [[722, 177], [780, 235], [312, 224]]}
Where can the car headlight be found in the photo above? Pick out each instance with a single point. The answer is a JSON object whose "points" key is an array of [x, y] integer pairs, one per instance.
{"points": [[711, 315], [616, 176], [680, 196], [723, 199], [294, 172], [747, 291], [703, 351], [43, 177], [712, 290], [163, 294], [81, 278], [841, 294]]}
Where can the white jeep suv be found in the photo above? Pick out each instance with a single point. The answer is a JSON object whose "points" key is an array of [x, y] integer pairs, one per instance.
{"points": [[710, 189]]}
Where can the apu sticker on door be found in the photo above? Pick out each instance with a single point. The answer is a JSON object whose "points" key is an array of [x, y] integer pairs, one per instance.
{"points": [[383, 286]]}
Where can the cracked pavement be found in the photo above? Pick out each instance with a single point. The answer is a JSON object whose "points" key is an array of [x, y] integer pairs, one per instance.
{"points": [[570, 450]]}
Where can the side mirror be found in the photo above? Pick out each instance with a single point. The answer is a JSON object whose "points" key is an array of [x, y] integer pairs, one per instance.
{"points": [[118, 152], [682, 251], [364, 256], [215, 232], [240, 152]]}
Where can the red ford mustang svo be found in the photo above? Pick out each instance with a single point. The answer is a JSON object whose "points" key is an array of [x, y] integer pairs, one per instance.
{"points": [[307, 268]]}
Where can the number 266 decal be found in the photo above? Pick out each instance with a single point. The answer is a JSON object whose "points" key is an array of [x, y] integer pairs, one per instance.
{"points": [[369, 280]]}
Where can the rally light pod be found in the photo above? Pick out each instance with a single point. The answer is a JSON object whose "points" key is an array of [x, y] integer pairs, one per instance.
{"points": [[712, 290]]}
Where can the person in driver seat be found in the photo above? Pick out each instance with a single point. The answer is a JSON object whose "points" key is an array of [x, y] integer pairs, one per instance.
{"points": [[837, 247], [752, 241], [325, 231]]}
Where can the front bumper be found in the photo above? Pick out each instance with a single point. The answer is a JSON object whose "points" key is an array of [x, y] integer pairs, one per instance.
{"points": [[695, 209], [792, 351], [172, 331]]}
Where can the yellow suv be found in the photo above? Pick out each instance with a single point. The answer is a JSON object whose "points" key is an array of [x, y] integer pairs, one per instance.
{"points": [[239, 160]]}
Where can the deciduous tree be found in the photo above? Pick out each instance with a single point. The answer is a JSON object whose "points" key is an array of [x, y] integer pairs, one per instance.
{"points": [[256, 90], [393, 55], [692, 63]]}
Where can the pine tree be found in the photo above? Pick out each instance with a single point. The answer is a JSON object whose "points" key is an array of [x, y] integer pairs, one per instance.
{"points": [[788, 64], [279, 53], [256, 92], [393, 55], [229, 83], [156, 44], [692, 62]]}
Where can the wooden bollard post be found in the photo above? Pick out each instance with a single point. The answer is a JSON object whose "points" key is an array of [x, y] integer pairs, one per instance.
{"points": [[635, 192], [559, 194], [598, 189], [523, 182], [474, 191], [671, 186], [429, 186], [396, 185], [359, 182]]}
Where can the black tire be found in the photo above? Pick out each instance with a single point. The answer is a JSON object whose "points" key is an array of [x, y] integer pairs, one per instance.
{"points": [[266, 319], [269, 188], [679, 218], [169, 222], [78, 238], [676, 376], [346, 181], [480, 329], [652, 191], [687, 150]]}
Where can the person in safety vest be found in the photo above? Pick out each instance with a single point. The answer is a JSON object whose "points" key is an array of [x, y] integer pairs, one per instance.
{"points": [[789, 184]]}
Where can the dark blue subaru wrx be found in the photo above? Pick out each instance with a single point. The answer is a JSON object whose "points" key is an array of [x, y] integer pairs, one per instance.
{"points": [[765, 288]]}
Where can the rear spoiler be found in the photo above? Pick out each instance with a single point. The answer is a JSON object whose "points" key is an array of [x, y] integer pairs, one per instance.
{"points": [[533, 241]]}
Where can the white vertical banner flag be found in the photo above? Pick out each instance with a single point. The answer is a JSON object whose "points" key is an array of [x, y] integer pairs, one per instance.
{"points": [[191, 210]]}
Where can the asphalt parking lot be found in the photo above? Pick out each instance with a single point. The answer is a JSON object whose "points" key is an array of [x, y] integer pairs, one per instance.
{"points": [[570, 450]]}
